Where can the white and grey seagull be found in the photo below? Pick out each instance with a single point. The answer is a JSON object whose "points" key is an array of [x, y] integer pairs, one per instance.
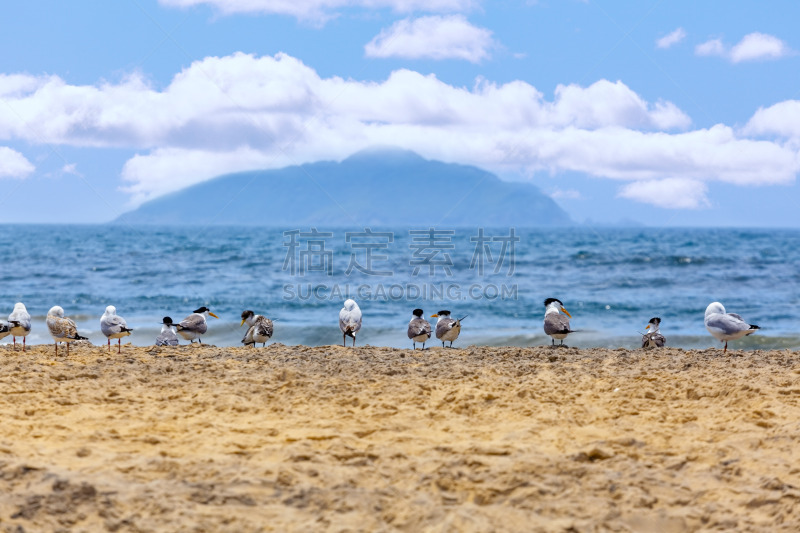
{"points": [[447, 329], [62, 329], [555, 324], [194, 325], [419, 329], [114, 326], [653, 338], [259, 329], [167, 337], [726, 326], [349, 320], [20, 322]]}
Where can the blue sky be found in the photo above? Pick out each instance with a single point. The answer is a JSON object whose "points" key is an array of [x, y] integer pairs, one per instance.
{"points": [[666, 113]]}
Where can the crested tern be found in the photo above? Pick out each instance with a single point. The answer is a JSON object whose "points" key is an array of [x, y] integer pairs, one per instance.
{"points": [[419, 329], [259, 328], [194, 325], [555, 324], [447, 329], [653, 338], [167, 337]]}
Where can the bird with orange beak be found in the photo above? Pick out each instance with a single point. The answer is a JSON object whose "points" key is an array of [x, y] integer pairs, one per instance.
{"points": [[555, 324], [194, 325]]}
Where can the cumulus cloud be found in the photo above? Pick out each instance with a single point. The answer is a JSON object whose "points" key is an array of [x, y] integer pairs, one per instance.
{"points": [[243, 112], [753, 47], [672, 193], [321, 10], [13, 164], [671, 38], [434, 37], [781, 119]]}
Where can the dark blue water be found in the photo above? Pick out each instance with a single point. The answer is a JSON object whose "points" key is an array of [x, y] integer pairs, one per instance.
{"points": [[611, 280]]}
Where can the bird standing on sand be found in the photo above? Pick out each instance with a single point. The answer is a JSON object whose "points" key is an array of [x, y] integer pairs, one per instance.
{"points": [[20, 322], [653, 338], [114, 326], [419, 329], [555, 324], [726, 326], [349, 321], [62, 329], [167, 336], [259, 330], [194, 325], [447, 329]]}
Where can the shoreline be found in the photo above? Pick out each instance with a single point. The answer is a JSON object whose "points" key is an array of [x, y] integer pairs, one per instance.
{"points": [[292, 438]]}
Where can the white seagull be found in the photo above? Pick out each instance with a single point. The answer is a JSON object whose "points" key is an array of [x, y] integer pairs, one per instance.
{"points": [[20, 322], [653, 338], [194, 325], [349, 321], [419, 329], [114, 326], [555, 324], [447, 329], [62, 329], [259, 328], [726, 326]]}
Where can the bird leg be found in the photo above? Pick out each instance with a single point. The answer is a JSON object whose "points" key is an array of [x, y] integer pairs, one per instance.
{"points": [[354, 341], [56, 349], [726, 347], [109, 345], [119, 345], [15, 342], [344, 340], [23, 344]]}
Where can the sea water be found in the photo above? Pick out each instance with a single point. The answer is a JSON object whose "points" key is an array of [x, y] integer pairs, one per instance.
{"points": [[611, 280]]}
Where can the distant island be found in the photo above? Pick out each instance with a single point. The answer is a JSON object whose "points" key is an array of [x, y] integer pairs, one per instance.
{"points": [[377, 187]]}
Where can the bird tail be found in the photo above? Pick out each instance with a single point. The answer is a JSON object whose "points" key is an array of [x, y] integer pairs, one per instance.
{"points": [[462, 318], [79, 337]]}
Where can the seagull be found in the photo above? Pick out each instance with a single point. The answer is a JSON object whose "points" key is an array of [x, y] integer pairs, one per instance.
{"points": [[349, 321], [194, 325], [114, 326], [62, 329], [167, 336], [555, 324], [447, 329], [259, 330], [726, 326], [653, 338], [21, 323], [419, 329], [5, 329]]}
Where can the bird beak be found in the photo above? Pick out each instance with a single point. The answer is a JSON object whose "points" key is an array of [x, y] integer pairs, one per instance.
{"points": [[434, 316], [566, 312], [212, 314], [647, 327], [242, 324]]}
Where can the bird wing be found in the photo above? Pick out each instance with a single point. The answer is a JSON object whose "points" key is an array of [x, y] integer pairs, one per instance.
{"points": [[21, 317], [113, 324], [194, 322], [263, 326], [62, 328], [727, 324], [556, 323], [417, 327], [443, 326]]}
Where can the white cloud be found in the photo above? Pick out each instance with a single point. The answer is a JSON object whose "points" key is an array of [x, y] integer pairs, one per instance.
{"points": [[672, 193], [714, 47], [756, 46], [781, 119], [753, 47], [671, 38], [241, 112], [566, 194], [13, 164], [435, 37], [321, 10]]}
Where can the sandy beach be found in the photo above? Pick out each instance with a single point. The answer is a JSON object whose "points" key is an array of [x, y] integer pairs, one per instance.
{"points": [[290, 438]]}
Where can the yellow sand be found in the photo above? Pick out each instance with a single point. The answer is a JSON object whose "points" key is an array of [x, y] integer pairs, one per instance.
{"points": [[380, 439]]}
